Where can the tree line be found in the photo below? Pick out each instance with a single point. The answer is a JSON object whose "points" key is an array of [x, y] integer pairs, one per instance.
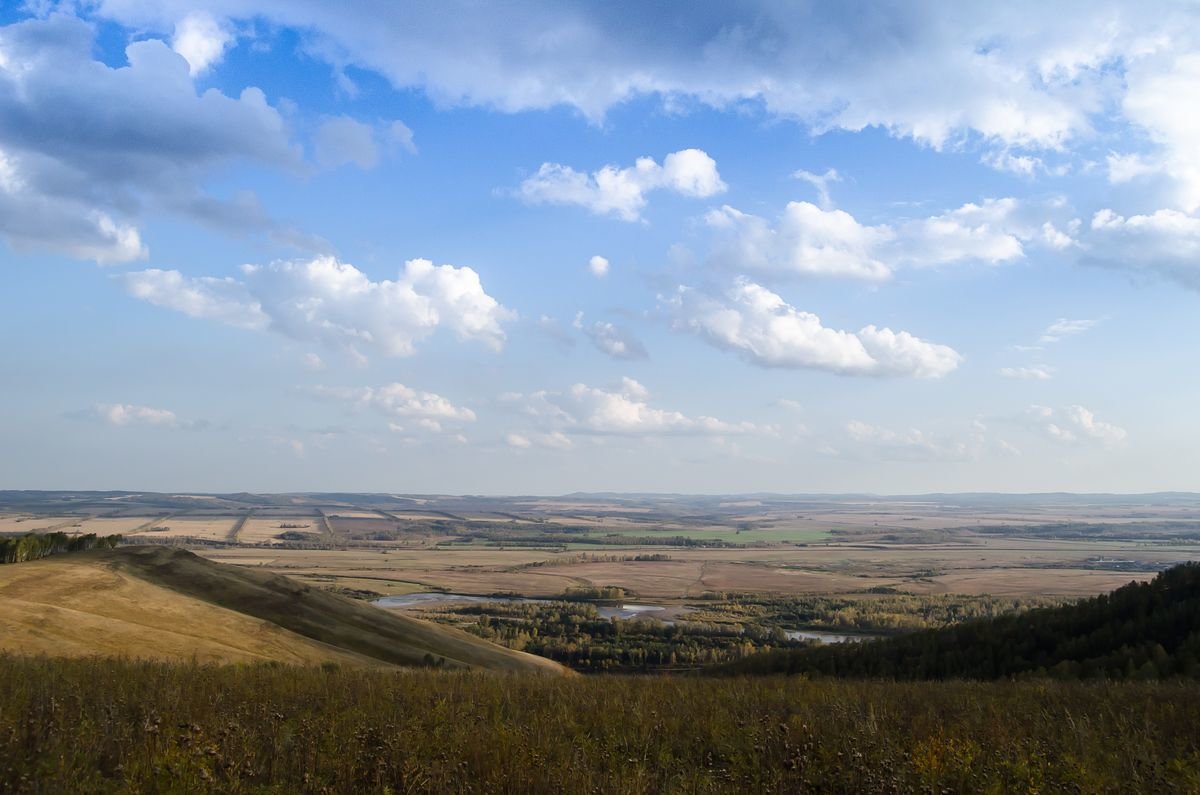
{"points": [[1147, 630], [34, 546]]}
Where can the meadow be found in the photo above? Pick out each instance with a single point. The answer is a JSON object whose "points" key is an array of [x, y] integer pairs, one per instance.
{"points": [[93, 725]]}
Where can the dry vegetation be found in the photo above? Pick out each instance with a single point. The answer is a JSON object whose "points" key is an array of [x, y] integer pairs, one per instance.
{"points": [[106, 726], [967, 545], [157, 603]]}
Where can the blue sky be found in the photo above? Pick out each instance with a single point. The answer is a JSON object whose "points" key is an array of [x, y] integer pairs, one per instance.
{"points": [[542, 248]]}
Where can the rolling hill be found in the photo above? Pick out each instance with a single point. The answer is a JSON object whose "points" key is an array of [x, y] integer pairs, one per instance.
{"points": [[169, 604], [1143, 630]]}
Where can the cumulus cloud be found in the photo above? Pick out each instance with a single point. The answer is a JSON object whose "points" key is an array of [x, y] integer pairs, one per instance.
{"points": [[1165, 242], [428, 410], [808, 240], [86, 148], [1004, 75], [1160, 88], [989, 232], [332, 302], [765, 330], [621, 411], [598, 266], [622, 191], [1074, 424], [201, 40], [609, 339], [225, 300]]}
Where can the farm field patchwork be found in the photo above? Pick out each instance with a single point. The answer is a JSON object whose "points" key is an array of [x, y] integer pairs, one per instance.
{"points": [[662, 547]]}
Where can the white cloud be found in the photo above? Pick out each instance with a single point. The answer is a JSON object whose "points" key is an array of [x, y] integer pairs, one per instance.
{"points": [[821, 182], [1064, 327], [913, 444], [1128, 167], [398, 134], [327, 301], [765, 330], [555, 440], [810, 241], [122, 414], [201, 40], [1074, 424], [622, 191], [989, 232], [1004, 73], [398, 401], [1058, 240], [222, 299], [1166, 241], [1005, 78], [598, 266], [1027, 373], [807, 241], [623, 411], [313, 362], [1005, 160], [1160, 97], [87, 149], [609, 339]]}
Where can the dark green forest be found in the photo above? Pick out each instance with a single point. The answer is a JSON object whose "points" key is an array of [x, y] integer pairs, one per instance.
{"points": [[1145, 630], [34, 546]]}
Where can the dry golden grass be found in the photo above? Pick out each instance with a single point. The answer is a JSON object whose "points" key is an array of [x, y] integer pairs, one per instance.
{"points": [[1017, 567], [113, 525], [169, 604], [73, 607], [24, 523], [264, 531], [205, 529], [1020, 582]]}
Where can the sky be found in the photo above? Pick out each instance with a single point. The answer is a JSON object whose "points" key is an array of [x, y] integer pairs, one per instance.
{"points": [[537, 248]]}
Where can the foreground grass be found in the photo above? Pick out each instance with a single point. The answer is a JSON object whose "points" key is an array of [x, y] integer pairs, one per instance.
{"points": [[94, 725]]}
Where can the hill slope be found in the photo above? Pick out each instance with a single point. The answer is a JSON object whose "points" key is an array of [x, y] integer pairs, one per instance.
{"points": [[1142, 630], [162, 603]]}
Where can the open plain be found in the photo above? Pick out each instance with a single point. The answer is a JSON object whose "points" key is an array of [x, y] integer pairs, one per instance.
{"points": [[664, 547]]}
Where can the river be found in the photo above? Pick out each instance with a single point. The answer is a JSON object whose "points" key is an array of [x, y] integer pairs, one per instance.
{"points": [[624, 611]]}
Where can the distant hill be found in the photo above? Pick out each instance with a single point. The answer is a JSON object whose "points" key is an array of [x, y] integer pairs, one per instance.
{"points": [[1140, 631], [165, 603]]}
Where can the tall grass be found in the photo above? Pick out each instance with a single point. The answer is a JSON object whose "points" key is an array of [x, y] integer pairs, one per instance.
{"points": [[95, 725]]}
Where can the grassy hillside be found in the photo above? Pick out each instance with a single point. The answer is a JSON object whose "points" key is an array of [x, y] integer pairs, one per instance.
{"points": [[109, 726], [161, 603], [1143, 630]]}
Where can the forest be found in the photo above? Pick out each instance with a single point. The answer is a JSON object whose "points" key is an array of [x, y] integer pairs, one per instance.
{"points": [[34, 546], [1147, 630]]}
